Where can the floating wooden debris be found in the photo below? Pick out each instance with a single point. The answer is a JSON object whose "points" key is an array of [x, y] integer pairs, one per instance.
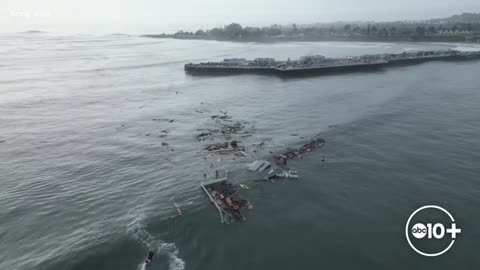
{"points": [[177, 207], [258, 165], [225, 147], [223, 117], [206, 135], [302, 150], [225, 198], [243, 186], [272, 174], [163, 119], [265, 165], [241, 154], [224, 128], [287, 174]]}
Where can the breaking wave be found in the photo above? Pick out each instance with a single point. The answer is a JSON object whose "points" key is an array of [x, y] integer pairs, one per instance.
{"points": [[467, 49], [365, 45], [137, 231], [410, 50], [132, 67]]}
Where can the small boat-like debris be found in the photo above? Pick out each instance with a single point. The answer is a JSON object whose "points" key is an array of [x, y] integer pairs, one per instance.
{"points": [[287, 174], [283, 174]]}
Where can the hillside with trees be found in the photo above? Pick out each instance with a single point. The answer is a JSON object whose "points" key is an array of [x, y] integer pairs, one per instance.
{"points": [[457, 28], [471, 18]]}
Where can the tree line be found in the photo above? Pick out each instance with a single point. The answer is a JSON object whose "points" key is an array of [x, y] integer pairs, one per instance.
{"points": [[410, 31]]}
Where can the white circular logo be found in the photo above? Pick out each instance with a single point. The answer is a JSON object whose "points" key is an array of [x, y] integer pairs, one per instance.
{"points": [[432, 231], [419, 230]]}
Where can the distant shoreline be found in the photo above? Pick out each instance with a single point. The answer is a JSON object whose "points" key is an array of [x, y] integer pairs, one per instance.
{"points": [[323, 39], [464, 28]]}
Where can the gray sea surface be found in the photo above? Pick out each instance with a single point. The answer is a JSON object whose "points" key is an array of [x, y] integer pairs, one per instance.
{"points": [[87, 184]]}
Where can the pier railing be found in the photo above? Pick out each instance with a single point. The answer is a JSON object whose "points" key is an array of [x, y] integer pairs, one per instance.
{"points": [[221, 212]]}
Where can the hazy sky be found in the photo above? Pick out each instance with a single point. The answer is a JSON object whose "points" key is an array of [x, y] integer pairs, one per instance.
{"points": [[24, 12]]}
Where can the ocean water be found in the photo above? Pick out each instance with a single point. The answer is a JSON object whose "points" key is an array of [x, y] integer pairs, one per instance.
{"points": [[87, 184]]}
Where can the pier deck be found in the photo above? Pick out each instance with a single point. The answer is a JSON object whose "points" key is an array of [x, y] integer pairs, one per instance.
{"points": [[318, 65]]}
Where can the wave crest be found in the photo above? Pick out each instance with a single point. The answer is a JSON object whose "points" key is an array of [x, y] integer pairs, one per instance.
{"points": [[138, 232]]}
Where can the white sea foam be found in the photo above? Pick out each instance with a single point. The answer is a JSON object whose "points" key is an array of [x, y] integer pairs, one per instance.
{"points": [[362, 45], [137, 230], [142, 266], [467, 49]]}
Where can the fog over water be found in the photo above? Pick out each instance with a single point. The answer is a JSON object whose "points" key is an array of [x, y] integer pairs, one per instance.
{"points": [[133, 16]]}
